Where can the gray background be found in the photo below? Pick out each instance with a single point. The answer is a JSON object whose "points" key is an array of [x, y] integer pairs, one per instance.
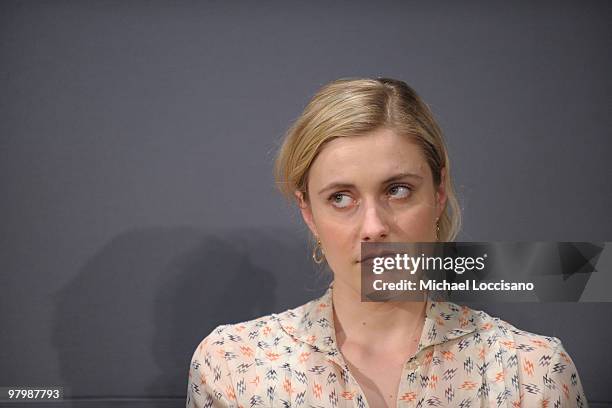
{"points": [[136, 144]]}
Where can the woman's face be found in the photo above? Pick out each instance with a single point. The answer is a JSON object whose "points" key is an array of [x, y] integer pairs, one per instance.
{"points": [[371, 188]]}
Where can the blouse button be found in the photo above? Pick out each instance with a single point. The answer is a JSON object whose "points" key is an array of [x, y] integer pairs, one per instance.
{"points": [[412, 364]]}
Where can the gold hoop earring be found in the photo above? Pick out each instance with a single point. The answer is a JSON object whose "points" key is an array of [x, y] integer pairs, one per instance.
{"points": [[437, 231], [316, 259]]}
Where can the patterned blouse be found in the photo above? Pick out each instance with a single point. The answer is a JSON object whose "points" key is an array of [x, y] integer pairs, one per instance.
{"points": [[465, 358]]}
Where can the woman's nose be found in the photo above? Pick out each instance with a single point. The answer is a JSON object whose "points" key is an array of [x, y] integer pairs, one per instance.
{"points": [[374, 226]]}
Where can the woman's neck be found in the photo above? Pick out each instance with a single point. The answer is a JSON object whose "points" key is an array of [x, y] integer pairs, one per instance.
{"points": [[376, 326]]}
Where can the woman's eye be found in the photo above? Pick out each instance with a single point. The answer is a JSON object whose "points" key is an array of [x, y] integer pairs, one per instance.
{"points": [[400, 191], [340, 200]]}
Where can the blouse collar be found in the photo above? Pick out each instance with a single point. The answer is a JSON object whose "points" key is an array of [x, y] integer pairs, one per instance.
{"points": [[313, 323]]}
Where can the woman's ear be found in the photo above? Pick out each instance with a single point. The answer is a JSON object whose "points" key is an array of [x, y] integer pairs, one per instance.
{"points": [[306, 211], [441, 195]]}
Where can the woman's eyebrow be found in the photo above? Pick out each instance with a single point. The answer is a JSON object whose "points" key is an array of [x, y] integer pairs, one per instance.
{"points": [[339, 184]]}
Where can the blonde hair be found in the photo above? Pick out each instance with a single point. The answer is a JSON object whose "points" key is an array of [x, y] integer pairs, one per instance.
{"points": [[350, 107]]}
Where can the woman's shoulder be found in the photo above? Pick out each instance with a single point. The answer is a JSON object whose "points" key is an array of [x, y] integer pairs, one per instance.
{"points": [[230, 349], [240, 334], [542, 367], [459, 320], [257, 333], [512, 337]]}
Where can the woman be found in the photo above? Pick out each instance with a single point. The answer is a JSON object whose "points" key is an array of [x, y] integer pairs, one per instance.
{"points": [[366, 162]]}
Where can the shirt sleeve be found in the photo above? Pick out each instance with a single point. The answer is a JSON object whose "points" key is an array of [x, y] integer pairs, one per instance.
{"points": [[210, 384], [562, 386]]}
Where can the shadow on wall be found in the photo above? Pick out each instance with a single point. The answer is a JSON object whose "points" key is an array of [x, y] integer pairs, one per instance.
{"points": [[128, 324]]}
